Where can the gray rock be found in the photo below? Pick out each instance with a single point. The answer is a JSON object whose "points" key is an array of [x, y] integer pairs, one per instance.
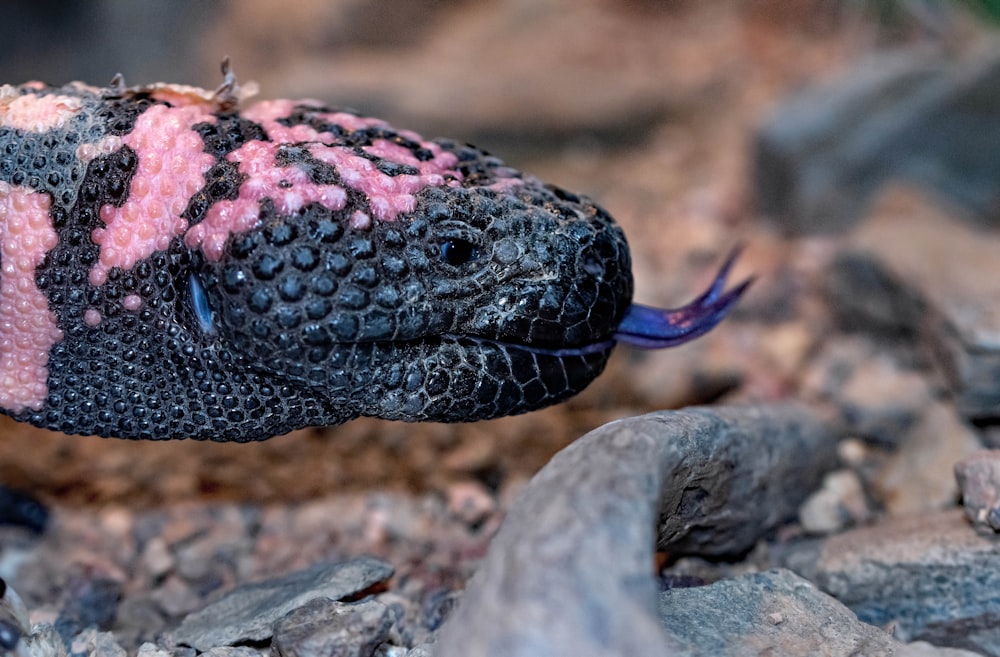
{"points": [[878, 397], [921, 115], [326, 628], [931, 576], [919, 477], [866, 298], [237, 651], [102, 644], [420, 651], [924, 649], [775, 613], [952, 267], [44, 642], [978, 477], [569, 572], [148, 649], [248, 612], [91, 603]]}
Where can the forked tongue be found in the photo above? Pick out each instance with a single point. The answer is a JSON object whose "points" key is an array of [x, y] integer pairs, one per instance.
{"points": [[657, 328]]}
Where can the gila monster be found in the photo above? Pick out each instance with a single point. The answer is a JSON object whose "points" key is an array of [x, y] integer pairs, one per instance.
{"points": [[175, 266]]}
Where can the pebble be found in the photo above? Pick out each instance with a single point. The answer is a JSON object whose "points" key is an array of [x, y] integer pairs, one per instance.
{"points": [[91, 603], [176, 597], [919, 477], [839, 503], [470, 501], [234, 651], [157, 558], [101, 644], [978, 477]]}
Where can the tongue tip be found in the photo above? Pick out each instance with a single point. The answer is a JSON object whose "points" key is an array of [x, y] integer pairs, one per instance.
{"points": [[658, 328]]}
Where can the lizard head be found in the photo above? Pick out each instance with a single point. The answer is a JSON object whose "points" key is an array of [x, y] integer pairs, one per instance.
{"points": [[482, 302], [494, 295]]}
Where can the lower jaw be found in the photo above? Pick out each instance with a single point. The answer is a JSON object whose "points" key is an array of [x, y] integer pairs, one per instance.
{"points": [[499, 379], [557, 352]]}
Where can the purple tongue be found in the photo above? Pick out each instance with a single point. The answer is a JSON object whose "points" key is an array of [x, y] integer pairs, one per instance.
{"points": [[656, 328]]}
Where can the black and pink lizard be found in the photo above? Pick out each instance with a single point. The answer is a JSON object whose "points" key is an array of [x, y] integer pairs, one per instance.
{"points": [[174, 266]]}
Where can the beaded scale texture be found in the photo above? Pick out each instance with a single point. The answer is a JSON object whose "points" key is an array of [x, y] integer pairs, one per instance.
{"points": [[173, 265]]}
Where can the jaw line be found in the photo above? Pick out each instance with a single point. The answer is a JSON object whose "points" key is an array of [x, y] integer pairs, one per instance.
{"points": [[561, 352]]}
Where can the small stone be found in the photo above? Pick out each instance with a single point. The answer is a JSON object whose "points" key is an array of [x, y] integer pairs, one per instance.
{"points": [[156, 557], [92, 603], [103, 644], [45, 642], [176, 597], [237, 651], [152, 650], [420, 651], [919, 477], [840, 502], [327, 628], [775, 618], [248, 612], [470, 501], [978, 477]]}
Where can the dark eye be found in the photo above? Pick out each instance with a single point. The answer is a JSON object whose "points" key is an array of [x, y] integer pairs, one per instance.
{"points": [[458, 252]]}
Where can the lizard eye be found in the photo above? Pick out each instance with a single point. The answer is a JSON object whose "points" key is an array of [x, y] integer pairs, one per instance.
{"points": [[458, 251]]}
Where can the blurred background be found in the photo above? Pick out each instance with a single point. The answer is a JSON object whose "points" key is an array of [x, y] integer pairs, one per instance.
{"points": [[653, 108]]}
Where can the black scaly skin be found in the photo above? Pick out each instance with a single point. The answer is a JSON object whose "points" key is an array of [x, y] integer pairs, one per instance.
{"points": [[454, 312]]}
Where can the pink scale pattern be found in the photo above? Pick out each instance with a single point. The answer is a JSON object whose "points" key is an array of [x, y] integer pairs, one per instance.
{"points": [[171, 168], [32, 113], [28, 328], [291, 188]]}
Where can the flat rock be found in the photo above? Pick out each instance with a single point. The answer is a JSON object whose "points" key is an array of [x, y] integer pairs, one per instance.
{"points": [[922, 115], [570, 570], [931, 576], [327, 628], [953, 267], [774, 613], [248, 613]]}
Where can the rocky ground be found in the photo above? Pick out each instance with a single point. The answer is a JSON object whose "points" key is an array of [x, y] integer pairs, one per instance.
{"points": [[867, 351]]}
